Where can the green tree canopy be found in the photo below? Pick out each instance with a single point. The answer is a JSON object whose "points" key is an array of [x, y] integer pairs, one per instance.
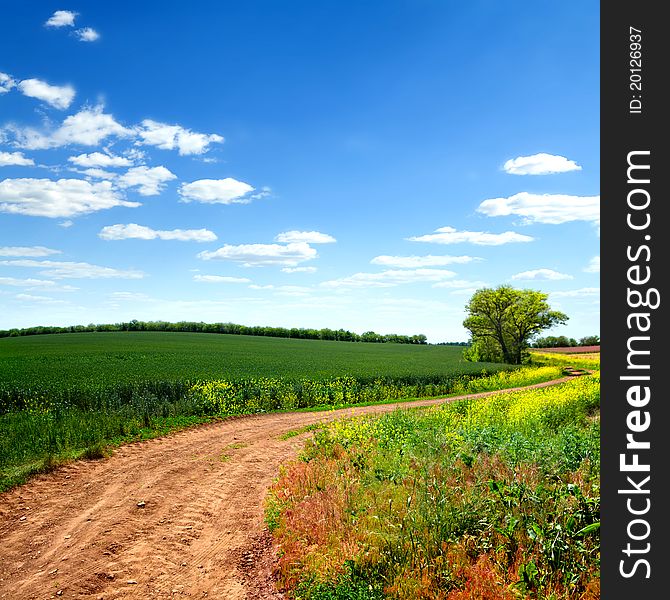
{"points": [[503, 321]]}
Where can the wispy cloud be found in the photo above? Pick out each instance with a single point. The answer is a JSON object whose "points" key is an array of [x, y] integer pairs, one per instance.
{"points": [[54, 95], [140, 232], [579, 293], [309, 237], [251, 255], [220, 279], [594, 265], [541, 275], [450, 235], [32, 251], [413, 262], [170, 137], [60, 198], [87, 34], [299, 270], [74, 270], [7, 82], [544, 208], [390, 278], [540, 164]]}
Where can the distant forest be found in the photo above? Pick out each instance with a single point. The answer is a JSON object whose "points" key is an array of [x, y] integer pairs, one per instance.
{"points": [[340, 335]]}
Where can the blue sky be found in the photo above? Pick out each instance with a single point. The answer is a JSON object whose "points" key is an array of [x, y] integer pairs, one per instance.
{"points": [[364, 165]]}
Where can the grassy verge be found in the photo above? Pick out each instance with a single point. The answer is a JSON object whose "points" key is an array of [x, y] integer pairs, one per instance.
{"points": [[488, 498], [42, 430]]}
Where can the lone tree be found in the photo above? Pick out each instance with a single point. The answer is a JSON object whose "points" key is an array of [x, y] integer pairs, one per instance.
{"points": [[503, 321]]}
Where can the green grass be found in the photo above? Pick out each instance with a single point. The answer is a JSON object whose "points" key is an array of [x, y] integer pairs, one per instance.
{"points": [[482, 498], [124, 357]]}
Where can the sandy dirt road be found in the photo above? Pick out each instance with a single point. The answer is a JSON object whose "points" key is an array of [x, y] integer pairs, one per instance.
{"points": [[78, 532]]}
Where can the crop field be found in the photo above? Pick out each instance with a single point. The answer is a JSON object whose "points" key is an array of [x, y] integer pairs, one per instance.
{"points": [[486, 498], [109, 358], [70, 395]]}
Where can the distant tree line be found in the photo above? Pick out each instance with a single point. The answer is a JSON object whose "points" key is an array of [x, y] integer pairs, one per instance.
{"points": [[341, 335], [562, 341]]}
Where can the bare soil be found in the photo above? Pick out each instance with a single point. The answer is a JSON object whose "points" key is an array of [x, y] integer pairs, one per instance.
{"points": [[178, 516]]}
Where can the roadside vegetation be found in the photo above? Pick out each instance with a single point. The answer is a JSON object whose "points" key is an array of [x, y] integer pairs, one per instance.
{"points": [[62, 397], [486, 498]]}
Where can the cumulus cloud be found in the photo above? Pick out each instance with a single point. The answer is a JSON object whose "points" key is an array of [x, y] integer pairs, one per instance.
{"points": [[8, 159], [87, 34], [216, 191], [541, 275], [61, 18], [220, 279], [150, 181], [169, 137], [540, 164], [252, 255], [594, 265], [6, 82], [32, 251], [98, 159], [140, 232], [390, 278], [544, 208], [97, 173], [54, 95], [450, 235], [299, 270], [88, 127], [309, 237], [61, 198], [74, 270], [414, 262]]}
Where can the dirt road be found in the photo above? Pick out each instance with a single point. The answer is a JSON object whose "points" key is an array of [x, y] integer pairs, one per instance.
{"points": [[179, 516]]}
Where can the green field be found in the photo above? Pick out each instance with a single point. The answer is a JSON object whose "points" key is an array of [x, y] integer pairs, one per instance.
{"points": [[122, 357]]}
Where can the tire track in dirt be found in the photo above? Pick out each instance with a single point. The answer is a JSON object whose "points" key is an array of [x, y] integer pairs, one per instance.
{"points": [[78, 532]]}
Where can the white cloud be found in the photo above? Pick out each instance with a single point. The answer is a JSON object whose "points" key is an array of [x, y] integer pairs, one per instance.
{"points": [[251, 255], [140, 232], [450, 235], [544, 208], [414, 262], [55, 95], [67, 223], [40, 299], [74, 270], [150, 181], [6, 82], [299, 270], [32, 251], [97, 173], [216, 191], [27, 283], [130, 296], [541, 275], [594, 265], [540, 164], [88, 127], [98, 159], [579, 293], [460, 284], [390, 278], [87, 34], [220, 279], [61, 18], [309, 237], [169, 137], [61, 198], [15, 158]]}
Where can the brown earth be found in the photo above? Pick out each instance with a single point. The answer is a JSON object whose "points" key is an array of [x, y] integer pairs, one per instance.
{"points": [[178, 516]]}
